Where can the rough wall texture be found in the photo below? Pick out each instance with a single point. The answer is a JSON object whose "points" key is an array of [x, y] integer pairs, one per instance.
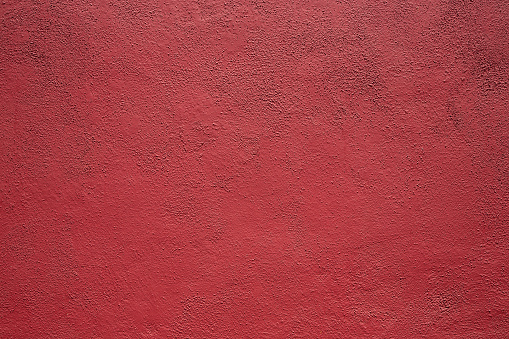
{"points": [[254, 169]]}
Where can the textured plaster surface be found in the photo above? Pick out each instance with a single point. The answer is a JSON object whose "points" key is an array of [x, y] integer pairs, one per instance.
{"points": [[254, 169]]}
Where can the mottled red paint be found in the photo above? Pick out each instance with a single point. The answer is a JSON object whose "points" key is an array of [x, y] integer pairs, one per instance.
{"points": [[254, 169]]}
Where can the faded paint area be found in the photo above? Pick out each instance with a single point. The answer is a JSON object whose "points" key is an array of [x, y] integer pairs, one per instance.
{"points": [[254, 169]]}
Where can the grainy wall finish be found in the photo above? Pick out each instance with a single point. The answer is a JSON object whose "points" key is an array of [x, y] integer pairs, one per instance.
{"points": [[254, 169]]}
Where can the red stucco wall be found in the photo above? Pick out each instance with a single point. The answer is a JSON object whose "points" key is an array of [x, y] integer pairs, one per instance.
{"points": [[254, 169]]}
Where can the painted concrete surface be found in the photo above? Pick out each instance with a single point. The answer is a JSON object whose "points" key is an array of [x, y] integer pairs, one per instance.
{"points": [[254, 169]]}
